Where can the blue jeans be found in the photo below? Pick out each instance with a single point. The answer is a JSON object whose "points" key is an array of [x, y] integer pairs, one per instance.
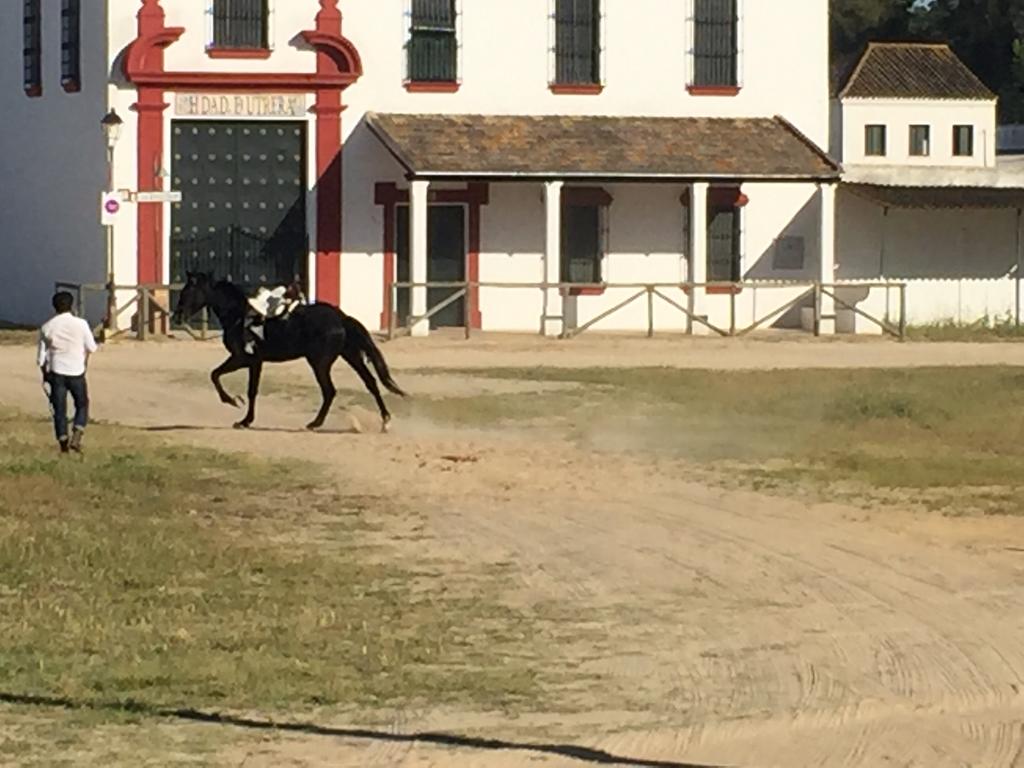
{"points": [[60, 386]]}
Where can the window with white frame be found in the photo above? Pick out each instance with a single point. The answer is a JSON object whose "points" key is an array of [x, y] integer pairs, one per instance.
{"points": [[240, 24], [577, 49], [433, 41], [715, 29]]}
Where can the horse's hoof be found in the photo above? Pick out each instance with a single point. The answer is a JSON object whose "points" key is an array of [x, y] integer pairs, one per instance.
{"points": [[242, 424], [313, 426], [384, 426]]}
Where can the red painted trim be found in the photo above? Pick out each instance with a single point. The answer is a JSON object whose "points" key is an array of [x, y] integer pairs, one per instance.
{"points": [[576, 89], [33, 91], [338, 66], [726, 197], [242, 81], [586, 196], [428, 87], [150, 108], [722, 197], [338, 61], [723, 289], [389, 262], [71, 86], [388, 195], [331, 56], [590, 290], [473, 267], [713, 90], [238, 53]]}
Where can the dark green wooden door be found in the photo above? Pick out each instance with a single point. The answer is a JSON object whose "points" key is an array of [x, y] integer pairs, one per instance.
{"points": [[243, 210], [446, 262]]}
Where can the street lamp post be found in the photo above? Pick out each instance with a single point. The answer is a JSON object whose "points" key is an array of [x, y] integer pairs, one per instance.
{"points": [[111, 124]]}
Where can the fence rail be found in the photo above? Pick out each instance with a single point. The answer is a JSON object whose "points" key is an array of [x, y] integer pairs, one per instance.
{"points": [[151, 302], [813, 293]]}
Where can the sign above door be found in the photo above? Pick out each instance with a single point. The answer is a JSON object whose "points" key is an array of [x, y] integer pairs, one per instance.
{"points": [[256, 105]]}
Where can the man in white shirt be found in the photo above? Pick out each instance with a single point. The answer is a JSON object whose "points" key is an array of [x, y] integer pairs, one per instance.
{"points": [[65, 343]]}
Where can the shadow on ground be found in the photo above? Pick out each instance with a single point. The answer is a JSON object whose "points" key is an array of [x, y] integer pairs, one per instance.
{"points": [[451, 740]]}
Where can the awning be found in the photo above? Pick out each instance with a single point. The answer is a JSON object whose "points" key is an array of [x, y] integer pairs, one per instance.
{"points": [[601, 148], [938, 197]]}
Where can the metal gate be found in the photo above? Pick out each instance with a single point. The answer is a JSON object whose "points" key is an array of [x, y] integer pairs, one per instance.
{"points": [[243, 210]]}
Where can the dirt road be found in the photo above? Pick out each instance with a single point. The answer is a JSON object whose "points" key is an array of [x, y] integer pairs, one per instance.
{"points": [[731, 628]]}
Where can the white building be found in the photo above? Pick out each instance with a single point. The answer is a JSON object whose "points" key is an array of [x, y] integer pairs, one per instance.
{"points": [[925, 199], [444, 140]]}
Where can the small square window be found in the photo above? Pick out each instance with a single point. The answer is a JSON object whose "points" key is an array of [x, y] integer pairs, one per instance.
{"points": [[963, 140], [874, 140], [920, 141], [789, 253]]}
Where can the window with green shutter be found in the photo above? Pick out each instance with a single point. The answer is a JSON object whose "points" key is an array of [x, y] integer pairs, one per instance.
{"points": [[32, 46], [715, 43], [71, 45], [240, 24], [433, 47], [577, 42]]}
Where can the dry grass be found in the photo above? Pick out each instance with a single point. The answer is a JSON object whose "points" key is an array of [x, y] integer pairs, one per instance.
{"points": [[149, 576], [952, 439]]}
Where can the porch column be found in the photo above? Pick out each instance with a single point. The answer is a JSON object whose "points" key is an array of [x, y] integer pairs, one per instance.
{"points": [[418, 244], [552, 323], [699, 249], [827, 275]]}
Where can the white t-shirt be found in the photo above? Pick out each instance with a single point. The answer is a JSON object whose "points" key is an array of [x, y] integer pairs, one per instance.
{"points": [[65, 342]]}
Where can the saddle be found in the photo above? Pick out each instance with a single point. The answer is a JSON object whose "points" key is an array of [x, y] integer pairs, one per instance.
{"points": [[277, 303]]}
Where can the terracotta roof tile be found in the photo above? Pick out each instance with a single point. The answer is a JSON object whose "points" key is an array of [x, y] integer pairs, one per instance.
{"points": [[608, 147], [913, 71]]}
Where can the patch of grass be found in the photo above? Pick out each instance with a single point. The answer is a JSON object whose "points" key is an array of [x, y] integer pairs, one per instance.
{"points": [[178, 577], [953, 431], [68, 738], [18, 337], [987, 329]]}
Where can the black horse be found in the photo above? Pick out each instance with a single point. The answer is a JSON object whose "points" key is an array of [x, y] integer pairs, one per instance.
{"points": [[319, 332]]}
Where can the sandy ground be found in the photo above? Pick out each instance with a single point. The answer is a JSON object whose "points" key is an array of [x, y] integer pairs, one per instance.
{"points": [[735, 629]]}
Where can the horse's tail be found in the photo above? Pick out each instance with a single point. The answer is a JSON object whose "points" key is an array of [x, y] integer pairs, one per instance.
{"points": [[363, 341]]}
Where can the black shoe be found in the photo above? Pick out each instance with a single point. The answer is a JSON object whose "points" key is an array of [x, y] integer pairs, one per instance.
{"points": [[76, 440], [64, 447]]}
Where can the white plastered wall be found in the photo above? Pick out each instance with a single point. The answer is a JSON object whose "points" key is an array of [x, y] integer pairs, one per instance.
{"points": [[959, 265], [52, 162], [899, 115]]}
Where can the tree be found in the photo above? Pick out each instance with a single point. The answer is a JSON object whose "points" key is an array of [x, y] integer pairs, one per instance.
{"points": [[987, 34], [855, 23]]}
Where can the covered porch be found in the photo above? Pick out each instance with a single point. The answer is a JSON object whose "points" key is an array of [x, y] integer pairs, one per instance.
{"points": [[957, 248], [551, 223]]}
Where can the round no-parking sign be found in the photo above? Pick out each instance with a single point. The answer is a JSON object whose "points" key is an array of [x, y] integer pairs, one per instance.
{"points": [[112, 207]]}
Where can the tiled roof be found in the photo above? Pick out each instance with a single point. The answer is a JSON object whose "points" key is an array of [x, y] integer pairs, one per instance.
{"points": [[913, 71], [938, 197], [600, 147]]}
